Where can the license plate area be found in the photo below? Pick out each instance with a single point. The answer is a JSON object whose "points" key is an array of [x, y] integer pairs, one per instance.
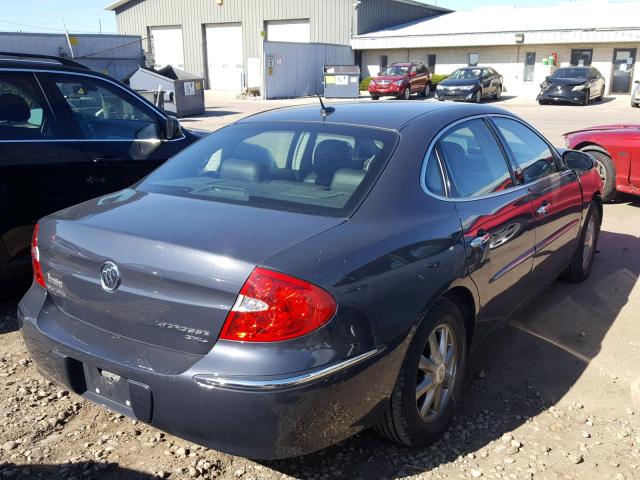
{"points": [[107, 385]]}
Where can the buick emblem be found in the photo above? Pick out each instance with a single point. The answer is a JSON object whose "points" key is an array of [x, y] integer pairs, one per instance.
{"points": [[110, 277]]}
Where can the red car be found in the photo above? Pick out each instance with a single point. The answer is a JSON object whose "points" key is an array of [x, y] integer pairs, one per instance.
{"points": [[616, 149], [401, 80]]}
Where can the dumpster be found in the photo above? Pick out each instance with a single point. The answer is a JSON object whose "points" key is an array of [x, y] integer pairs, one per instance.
{"points": [[341, 81], [183, 91]]}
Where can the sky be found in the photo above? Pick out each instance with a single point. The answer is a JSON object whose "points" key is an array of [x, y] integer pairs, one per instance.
{"points": [[83, 16]]}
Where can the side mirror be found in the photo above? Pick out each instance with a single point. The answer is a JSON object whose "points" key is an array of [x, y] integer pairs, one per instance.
{"points": [[577, 160], [172, 127]]}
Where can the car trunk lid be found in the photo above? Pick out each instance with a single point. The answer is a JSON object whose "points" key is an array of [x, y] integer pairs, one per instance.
{"points": [[181, 263]]}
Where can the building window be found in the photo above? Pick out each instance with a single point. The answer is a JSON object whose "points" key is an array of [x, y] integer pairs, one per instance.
{"points": [[529, 66], [581, 57], [474, 58], [384, 61], [431, 63]]}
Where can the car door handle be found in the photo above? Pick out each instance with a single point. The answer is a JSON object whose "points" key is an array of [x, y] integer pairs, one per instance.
{"points": [[481, 240], [542, 209], [107, 158]]}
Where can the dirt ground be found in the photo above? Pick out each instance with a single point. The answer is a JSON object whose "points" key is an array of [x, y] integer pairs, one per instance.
{"points": [[547, 397]]}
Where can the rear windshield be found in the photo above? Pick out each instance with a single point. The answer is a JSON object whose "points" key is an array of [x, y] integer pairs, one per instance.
{"points": [[466, 73], [308, 167], [570, 73]]}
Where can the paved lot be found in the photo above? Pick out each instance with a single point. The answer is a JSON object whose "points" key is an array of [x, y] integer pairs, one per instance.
{"points": [[548, 397], [551, 120]]}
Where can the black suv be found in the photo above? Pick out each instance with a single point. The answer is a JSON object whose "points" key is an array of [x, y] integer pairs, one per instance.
{"points": [[68, 134]]}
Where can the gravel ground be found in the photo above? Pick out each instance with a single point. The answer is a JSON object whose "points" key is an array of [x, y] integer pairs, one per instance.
{"points": [[546, 398]]}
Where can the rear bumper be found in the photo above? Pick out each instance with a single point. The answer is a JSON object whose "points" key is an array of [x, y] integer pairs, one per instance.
{"points": [[256, 417]]}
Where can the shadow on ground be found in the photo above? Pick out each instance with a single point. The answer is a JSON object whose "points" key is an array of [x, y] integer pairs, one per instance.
{"points": [[106, 471]]}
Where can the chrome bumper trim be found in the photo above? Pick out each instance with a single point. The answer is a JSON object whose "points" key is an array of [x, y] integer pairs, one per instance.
{"points": [[249, 384]]}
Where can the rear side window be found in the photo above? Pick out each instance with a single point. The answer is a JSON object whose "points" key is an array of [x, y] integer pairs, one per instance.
{"points": [[24, 114], [532, 154], [105, 112], [309, 168], [474, 160]]}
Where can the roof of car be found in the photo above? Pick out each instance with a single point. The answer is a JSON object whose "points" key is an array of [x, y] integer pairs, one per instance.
{"points": [[393, 115], [28, 64]]}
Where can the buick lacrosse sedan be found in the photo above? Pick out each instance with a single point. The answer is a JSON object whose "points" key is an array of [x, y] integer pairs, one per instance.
{"points": [[302, 275]]}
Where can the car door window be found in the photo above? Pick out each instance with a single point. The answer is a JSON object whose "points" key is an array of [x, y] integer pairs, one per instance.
{"points": [[433, 175], [105, 112], [531, 153], [24, 114], [474, 160]]}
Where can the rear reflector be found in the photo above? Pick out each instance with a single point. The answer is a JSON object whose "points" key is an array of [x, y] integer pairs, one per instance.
{"points": [[273, 307], [35, 259]]}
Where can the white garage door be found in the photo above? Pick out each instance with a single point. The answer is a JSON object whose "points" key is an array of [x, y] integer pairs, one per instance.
{"points": [[224, 56], [167, 46], [289, 31]]}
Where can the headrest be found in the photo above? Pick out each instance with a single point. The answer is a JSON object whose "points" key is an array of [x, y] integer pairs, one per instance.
{"points": [[453, 151], [347, 179], [241, 170], [254, 153], [329, 156], [13, 108]]}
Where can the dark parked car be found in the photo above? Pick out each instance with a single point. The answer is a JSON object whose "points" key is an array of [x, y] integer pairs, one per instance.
{"points": [[616, 150], [69, 134], [270, 311], [471, 84], [577, 85], [401, 80]]}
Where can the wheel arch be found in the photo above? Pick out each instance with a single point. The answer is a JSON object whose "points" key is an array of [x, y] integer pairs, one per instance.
{"points": [[463, 297], [590, 145]]}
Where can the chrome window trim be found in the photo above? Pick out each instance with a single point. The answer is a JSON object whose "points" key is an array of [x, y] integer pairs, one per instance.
{"points": [[162, 114], [423, 169], [252, 384]]}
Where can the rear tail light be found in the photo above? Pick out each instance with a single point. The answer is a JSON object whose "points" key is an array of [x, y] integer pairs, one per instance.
{"points": [[273, 306], [35, 259]]}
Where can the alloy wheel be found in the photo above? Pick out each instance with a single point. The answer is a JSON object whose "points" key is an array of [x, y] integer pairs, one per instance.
{"points": [[436, 373], [601, 171], [407, 93], [589, 243]]}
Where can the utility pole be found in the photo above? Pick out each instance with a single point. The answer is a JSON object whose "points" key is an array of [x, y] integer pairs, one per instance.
{"points": [[100, 23]]}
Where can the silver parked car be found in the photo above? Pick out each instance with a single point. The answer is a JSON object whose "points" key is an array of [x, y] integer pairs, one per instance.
{"points": [[635, 96]]}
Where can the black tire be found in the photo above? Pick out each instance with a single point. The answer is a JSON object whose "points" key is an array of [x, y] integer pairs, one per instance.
{"points": [[542, 102], [402, 422], [427, 90], [587, 94], [478, 98], [605, 165], [375, 97], [601, 96], [406, 95], [581, 266], [498, 94]]}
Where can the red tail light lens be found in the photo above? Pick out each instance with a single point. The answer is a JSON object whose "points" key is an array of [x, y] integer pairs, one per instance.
{"points": [[272, 307], [35, 259]]}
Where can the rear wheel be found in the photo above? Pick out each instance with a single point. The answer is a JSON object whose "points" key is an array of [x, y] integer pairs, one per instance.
{"points": [[427, 90], [430, 381], [375, 97], [407, 93], [582, 262], [478, 98], [587, 94], [607, 171]]}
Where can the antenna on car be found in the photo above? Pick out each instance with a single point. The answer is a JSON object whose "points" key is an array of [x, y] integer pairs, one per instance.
{"points": [[325, 111]]}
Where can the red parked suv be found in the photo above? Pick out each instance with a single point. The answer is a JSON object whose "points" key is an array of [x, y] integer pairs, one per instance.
{"points": [[401, 80]]}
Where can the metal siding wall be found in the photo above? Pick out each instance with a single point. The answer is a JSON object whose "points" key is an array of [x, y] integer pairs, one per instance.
{"points": [[300, 72], [378, 14], [330, 21]]}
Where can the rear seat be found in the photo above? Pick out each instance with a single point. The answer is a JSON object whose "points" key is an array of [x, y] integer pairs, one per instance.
{"points": [[347, 180]]}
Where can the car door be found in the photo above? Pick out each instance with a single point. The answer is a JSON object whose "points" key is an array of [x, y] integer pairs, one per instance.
{"points": [[556, 197], [122, 136], [42, 166], [496, 216], [485, 80]]}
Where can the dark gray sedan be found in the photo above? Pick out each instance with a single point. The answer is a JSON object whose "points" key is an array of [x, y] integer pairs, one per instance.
{"points": [[293, 279]]}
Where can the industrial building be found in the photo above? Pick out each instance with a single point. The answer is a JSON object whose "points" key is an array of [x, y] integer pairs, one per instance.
{"points": [[277, 44], [515, 41], [115, 55]]}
